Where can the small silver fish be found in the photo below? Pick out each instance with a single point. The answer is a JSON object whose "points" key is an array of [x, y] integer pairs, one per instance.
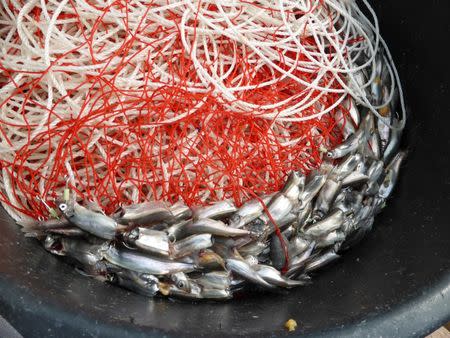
{"points": [[294, 186], [82, 251], [376, 91], [355, 179], [244, 270], [365, 212], [330, 223], [136, 261], [321, 260], [371, 189], [287, 221], [393, 144], [273, 276], [362, 166], [93, 222], [327, 195], [180, 212], [144, 214], [220, 280], [176, 231], [312, 188], [254, 248], [375, 145], [144, 284], [387, 116], [349, 202], [278, 251], [191, 244], [248, 212], [297, 263], [168, 289], [216, 294], [297, 245], [331, 239], [348, 146], [391, 177], [196, 292], [354, 141], [347, 166], [375, 171], [148, 240], [368, 124], [181, 281], [348, 129], [278, 208], [379, 204], [354, 112], [216, 228], [383, 129], [218, 210], [360, 77], [304, 214]]}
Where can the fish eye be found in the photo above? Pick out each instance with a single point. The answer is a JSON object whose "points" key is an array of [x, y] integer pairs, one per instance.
{"points": [[181, 284], [63, 207]]}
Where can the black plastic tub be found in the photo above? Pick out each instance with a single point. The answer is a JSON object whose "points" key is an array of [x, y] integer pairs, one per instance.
{"points": [[396, 283]]}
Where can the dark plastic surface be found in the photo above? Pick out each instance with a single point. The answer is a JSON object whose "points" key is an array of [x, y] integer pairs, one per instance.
{"points": [[395, 284]]}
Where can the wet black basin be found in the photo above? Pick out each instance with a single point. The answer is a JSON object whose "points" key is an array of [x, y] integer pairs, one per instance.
{"points": [[396, 283]]}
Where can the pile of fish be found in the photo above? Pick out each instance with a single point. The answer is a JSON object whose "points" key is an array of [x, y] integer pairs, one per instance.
{"points": [[211, 252]]}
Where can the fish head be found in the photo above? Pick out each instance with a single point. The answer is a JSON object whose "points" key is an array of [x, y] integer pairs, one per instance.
{"points": [[66, 208], [54, 245], [181, 284], [148, 282]]}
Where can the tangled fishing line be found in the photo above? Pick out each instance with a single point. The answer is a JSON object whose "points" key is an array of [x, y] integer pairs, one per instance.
{"points": [[188, 100]]}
